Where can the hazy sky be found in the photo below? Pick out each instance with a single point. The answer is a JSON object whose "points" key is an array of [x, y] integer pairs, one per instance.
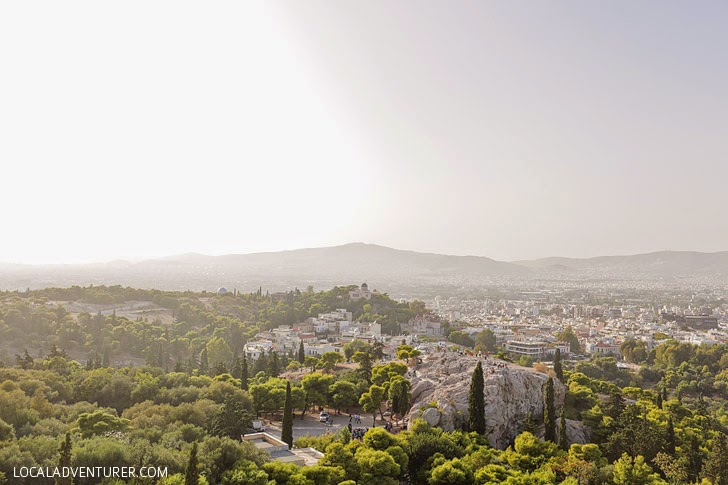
{"points": [[508, 129]]}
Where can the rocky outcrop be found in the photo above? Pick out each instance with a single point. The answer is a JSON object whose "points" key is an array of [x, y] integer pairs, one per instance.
{"points": [[577, 432], [440, 395]]}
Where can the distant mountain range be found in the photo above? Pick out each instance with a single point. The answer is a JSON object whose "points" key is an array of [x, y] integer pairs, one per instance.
{"points": [[354, 263], [660, 264]]}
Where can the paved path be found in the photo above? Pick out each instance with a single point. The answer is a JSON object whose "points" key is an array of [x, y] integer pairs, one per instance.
{"points": [[310, 425]]}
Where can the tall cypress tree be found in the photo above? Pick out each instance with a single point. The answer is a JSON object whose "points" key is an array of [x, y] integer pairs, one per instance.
{"points": [[274, 368], [287, 426], [235, 364], [563, 440], [64, 460], [558, 368], [244, 373], [670, 436], [261, 365], [192, 474], [695, 459], [301, 353], [235, 370], [476, 401], [549, 412]]}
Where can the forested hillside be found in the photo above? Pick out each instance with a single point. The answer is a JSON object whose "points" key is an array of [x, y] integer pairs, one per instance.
{"points": [[185, 324], [665, 422], [674, 432]]}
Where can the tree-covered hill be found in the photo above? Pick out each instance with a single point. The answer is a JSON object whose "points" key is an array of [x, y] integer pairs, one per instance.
{"points": [[186, 403], [55, 411], [38, 319]]}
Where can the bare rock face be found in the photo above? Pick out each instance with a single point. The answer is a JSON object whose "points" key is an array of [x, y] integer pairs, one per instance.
{"points": [[422, 389], [577, 432], [432, 416], [440, 395]]}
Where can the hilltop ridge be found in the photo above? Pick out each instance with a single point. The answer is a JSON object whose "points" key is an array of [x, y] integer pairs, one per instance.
{"points": [[324, 267]]}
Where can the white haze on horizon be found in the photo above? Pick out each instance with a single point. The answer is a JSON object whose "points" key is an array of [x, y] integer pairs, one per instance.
{"points": [[512, 130]]}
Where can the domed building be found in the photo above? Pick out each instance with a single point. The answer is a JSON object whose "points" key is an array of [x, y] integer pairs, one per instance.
{"points": [[362, 293], [222, 291]]}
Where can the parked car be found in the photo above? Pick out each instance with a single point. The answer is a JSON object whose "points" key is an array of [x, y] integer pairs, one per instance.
{"points": [[324, 416]]}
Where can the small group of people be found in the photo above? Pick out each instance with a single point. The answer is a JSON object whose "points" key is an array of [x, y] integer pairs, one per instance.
{"points": [[357, 433], [356, 418], [496, 366]]}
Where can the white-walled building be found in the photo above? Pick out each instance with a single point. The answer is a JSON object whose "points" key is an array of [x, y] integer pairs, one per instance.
{"points": [[535, 349], [603, 348], [254, 349], [362, 293]]}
